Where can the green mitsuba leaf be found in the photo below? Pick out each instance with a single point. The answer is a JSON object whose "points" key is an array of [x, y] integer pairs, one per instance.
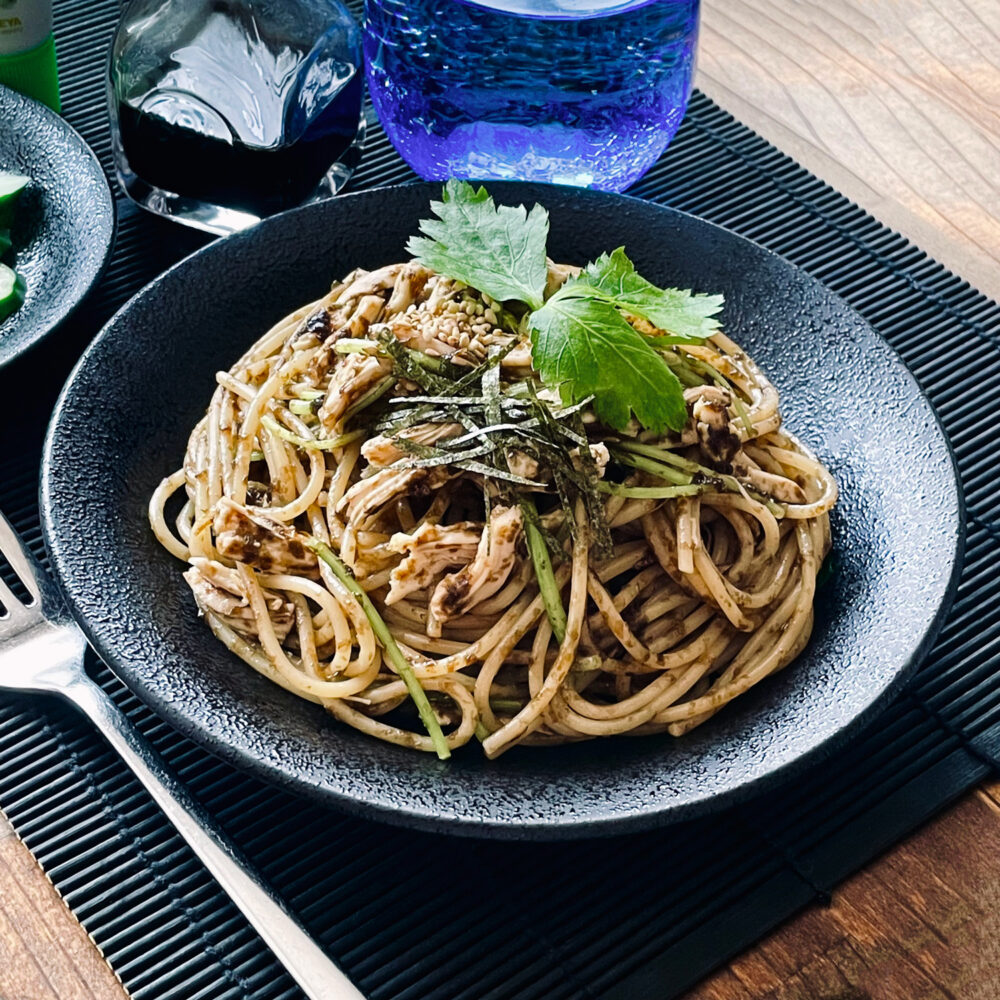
{"points": [[496, 250], [678, 311], [582, 341], [583, 346]]}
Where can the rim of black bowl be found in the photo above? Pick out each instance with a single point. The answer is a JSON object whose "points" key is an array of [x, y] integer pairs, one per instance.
{"points": [[560, 827], [56, 124]]}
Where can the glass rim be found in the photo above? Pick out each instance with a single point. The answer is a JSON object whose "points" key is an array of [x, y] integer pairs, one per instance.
{"points": [[566, 10]]}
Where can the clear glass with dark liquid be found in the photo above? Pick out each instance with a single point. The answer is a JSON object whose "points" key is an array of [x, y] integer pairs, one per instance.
{"points": [[226, 111]]}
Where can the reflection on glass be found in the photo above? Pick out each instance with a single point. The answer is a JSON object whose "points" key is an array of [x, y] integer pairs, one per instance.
{"points": [[584, 92], [226, 111]]}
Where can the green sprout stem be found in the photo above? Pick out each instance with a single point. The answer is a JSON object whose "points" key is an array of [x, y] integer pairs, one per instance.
{"points": [[355, 345], [651, 492], [376, 392], [547, 586], [311, 444], [389, 644], [653, 467]]}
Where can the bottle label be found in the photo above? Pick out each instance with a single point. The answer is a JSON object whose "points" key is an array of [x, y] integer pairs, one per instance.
{"points": [[23, 24]]}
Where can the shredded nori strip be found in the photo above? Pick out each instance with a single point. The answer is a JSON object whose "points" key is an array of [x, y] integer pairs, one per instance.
{"points": [[499, 420]]}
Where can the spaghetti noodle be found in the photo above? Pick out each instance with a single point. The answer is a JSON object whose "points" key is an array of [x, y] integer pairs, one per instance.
{"points": [[383, 507]]}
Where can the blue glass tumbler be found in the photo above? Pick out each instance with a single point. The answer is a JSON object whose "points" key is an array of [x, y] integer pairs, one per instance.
{"points": [[582, 92]]}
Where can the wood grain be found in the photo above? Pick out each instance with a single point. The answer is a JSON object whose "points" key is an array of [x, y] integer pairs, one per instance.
{"points": [[922, 923], [44, 953], [896, 103]]}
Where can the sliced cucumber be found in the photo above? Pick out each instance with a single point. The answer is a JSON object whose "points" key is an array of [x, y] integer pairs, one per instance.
{"points": [[11, 186], [4, 241], [11, 291]]}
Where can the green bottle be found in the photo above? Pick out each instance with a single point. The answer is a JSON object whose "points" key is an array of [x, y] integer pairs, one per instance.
{"points": [[28, 51]]}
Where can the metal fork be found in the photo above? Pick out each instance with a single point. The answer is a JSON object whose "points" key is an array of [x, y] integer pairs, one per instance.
{"points": [[42, 650]]}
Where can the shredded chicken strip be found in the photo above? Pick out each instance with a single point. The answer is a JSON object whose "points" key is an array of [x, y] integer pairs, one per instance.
{"points": [[430, 551], [352, 378], [366, 498], [381, 451], [410, 285], [717, 436], [779, 487], [364, 283], [484, 576], [251, 537], [218, 589]]}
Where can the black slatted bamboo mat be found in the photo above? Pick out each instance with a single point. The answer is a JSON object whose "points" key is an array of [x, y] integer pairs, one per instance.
{"points": [[418, 917]]}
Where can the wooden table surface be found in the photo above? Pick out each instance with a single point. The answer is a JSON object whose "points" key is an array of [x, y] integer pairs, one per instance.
{"points": [[897, 104]]}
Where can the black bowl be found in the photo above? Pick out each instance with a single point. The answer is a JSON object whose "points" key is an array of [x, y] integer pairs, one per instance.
{"points": [[65, 221], [125, 414]]}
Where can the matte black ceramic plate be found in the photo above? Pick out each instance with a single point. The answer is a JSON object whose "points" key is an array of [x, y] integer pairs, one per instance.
{"points": [[65, 219], [125, 415]]}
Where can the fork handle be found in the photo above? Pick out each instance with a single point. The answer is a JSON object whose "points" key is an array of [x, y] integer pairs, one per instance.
{"points": [[304, 960]]}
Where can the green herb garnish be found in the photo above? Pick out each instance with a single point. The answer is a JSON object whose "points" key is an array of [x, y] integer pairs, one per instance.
{"points": [[499, 251], [309, 444], [582, 342], [680, 312], [582, 345]]}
